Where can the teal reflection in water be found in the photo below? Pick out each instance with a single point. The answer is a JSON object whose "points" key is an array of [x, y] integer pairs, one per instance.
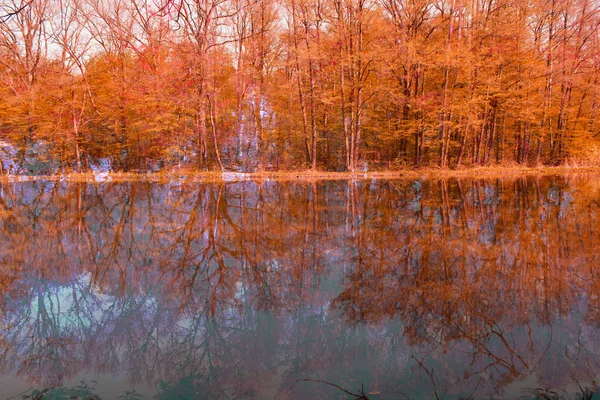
{"points": [[402, 288]]}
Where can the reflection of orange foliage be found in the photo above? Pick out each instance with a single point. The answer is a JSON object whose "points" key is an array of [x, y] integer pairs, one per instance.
{"points": [[6, 281], [154, 279]]}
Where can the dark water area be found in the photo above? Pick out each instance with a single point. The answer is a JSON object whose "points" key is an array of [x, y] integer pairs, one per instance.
{"points": [[413, 289]]}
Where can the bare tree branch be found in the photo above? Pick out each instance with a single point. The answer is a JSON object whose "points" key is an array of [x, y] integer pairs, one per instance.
{"points": [[4, 18]]}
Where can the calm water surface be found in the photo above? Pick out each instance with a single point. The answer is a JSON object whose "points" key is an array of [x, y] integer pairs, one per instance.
{"points": [[410, 289]]}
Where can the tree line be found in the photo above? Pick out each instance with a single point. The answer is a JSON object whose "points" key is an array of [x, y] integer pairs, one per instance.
{"points": [[249, 85]]}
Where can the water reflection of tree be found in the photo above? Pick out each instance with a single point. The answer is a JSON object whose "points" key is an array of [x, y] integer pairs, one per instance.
{"points": [[219, 288], [491, 267]]}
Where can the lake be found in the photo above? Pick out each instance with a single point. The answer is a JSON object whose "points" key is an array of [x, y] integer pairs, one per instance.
{"points": [[420, 289]]}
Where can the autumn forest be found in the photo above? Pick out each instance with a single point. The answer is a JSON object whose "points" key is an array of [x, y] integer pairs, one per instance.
{"points": [[333, 85]]}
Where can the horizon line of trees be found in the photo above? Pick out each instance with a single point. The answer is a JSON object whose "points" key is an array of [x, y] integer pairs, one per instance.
{"points": [[286, 84]]}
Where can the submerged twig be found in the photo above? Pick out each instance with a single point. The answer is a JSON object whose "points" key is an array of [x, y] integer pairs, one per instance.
{"points": [[359, 395]]}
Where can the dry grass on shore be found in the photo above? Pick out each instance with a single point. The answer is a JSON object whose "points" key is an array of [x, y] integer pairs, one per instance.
{"points": [[307, 175]]}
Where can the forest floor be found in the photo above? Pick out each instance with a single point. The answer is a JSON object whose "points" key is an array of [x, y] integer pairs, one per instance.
{"points": [[307, 175]]}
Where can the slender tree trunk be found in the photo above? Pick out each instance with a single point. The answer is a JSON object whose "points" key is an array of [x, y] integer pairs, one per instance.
{"points": [[444, 128], [311, 81], [201, 128], [300, 86], [343, 105], [213, 127]]}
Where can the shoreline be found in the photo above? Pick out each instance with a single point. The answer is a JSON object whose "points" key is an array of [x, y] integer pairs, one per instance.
{"points": [[306, 175]]}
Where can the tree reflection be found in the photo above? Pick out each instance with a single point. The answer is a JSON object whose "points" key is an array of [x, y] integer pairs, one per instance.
{"points": [[426, 288]]}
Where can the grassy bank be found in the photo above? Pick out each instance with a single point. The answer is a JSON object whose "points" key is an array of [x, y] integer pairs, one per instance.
{"points": [[307, 175]]}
